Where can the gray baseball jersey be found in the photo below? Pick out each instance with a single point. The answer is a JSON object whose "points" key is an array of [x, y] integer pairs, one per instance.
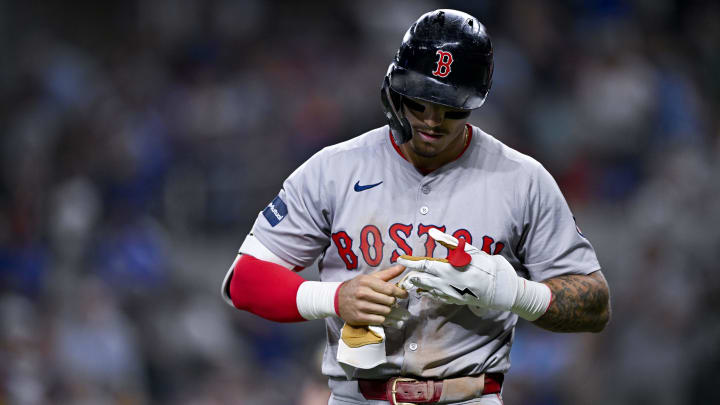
{"points": [[359, 204]]}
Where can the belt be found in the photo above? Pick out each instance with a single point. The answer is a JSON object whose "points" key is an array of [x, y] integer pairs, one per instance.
{"points": [[401, 390]]}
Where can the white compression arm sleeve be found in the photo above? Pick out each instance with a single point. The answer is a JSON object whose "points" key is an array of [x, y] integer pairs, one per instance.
{"points": [[316, 299]]}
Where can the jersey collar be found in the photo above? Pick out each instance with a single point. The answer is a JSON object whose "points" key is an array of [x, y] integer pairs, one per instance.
{"points": [[402, 155]]}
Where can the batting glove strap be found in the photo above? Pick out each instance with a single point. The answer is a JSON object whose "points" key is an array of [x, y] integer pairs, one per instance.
{"points": [[528, 299], [532, 300]]}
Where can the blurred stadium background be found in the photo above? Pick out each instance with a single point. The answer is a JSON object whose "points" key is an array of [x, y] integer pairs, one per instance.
{"points": [[141, 138]]}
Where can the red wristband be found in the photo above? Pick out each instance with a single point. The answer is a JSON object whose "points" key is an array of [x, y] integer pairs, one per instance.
{"points": [[337, 298]]}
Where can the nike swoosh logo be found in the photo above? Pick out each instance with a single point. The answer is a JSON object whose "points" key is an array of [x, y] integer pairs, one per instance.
{"points": [[464, 291], [358, 187]]}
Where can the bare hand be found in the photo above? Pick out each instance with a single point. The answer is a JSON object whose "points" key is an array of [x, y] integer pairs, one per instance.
{"points": [[366, 299]]}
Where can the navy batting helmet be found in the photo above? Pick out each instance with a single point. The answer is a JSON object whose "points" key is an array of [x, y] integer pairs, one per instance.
{"points": [[445, 58]]}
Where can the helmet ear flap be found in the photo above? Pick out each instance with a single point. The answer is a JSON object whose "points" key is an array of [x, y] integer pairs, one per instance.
{"points": [[392, 104]]}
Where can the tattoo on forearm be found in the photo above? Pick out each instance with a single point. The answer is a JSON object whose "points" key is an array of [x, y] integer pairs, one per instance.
{"points": [[580, 304]]}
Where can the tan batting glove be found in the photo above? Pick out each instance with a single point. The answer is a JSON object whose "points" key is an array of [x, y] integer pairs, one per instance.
{"points": [[470, 276]]}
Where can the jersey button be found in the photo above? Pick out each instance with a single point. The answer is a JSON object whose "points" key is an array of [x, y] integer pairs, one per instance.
{"points": [[412, 346], [424, 210], [426, 189]]}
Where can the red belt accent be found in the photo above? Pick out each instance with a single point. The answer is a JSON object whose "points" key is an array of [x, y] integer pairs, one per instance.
{"points": [[417, 391]]}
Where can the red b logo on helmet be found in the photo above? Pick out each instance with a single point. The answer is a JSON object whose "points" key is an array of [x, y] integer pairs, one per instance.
{"points": [[445, 59]]}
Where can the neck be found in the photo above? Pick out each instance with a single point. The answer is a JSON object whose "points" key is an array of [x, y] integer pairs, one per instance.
{"points": [[428, 164]]}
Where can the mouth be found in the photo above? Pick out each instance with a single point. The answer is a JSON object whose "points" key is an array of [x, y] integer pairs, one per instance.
{"points": [[429, 136]]}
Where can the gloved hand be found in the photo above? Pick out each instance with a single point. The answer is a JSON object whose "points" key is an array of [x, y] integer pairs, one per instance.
{"points": [[470, 276]]}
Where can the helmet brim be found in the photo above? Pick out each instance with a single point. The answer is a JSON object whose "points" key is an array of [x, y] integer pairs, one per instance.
{"points": [[416, 85]]}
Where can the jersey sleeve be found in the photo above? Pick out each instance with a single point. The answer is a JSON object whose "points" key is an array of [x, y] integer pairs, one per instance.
{"points": [[295, 225], [551, 244]]}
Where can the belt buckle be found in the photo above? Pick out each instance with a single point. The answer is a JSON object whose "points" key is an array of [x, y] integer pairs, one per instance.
{"points": [[393, 390]]}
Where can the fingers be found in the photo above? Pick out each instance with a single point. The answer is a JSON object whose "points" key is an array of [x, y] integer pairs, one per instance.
{"points": [[412, 262], [418, 262], [379, 281], [425, 282], [444, 239], [365, 319], [436, 287], [373, 296], [370, 308], [389, 273], [367, 313], [425, 264], [449, 241], [387, 289], [405, 282], [367, 299]]}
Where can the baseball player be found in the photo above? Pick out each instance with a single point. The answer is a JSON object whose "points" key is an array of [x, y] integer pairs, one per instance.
{"points": [[433, 238]]}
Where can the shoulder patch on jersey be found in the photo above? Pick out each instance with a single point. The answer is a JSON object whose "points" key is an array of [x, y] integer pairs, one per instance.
{"points": [[275, 211]]}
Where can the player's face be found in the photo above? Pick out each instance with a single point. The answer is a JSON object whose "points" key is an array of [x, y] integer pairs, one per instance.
{"points": [[437, 130]]}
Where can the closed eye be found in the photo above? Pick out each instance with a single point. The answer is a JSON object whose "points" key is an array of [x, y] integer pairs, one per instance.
{"points": [[449, 115], [413, 105], [456, 115]]}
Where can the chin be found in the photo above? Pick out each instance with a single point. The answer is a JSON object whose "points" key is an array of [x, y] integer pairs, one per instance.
{"points": [[424, 150]]}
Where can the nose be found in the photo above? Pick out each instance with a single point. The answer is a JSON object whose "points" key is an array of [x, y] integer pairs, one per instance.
{"points": [[433, 116]]}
